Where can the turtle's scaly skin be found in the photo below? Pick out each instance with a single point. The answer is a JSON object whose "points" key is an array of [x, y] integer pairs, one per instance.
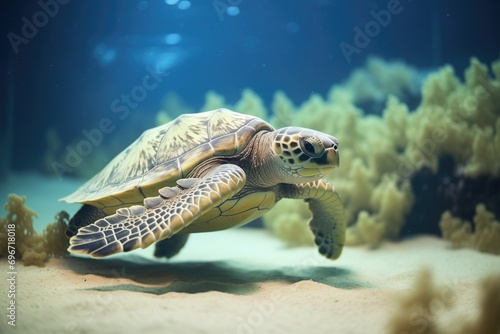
{"points": [[223, 170]]}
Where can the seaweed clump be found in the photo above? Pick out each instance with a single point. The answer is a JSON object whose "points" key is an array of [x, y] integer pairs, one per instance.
{"points": [[416, 312], [488, 321], [31, 247], [485, 236], [422, 309]]}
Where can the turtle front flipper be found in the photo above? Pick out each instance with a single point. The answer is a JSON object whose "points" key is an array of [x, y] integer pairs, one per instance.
{"points": [[161, 216], [328, 222]]}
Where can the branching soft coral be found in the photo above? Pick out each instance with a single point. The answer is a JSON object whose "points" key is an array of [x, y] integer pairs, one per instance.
{"points": [[421, 309], [31, 247], [415, 312], [488, 321], [371, 84], [291, 226], [486, 234], [389, 204], [56, 241], [460, 119], [283, 110], [251, 104], [20, 216], [213, 101]]}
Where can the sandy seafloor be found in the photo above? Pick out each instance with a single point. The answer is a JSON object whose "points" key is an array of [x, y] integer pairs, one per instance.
{"points": [[235, 281]]}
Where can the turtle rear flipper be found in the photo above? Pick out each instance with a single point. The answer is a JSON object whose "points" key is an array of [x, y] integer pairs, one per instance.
{"points": [[159, 218], [85, 216], [171, 246]]}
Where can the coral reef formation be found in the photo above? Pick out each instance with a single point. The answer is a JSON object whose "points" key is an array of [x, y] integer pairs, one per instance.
{"points": [[290, 226], [486, 234], [459, 119], [420, 310], [378, 79], [31, 247], [172, 107]]}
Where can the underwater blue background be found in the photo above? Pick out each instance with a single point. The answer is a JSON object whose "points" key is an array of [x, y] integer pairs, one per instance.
{"points": [[91, 52]]}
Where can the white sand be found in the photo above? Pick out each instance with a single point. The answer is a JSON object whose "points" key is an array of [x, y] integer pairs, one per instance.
{"points": [[241, 281]]}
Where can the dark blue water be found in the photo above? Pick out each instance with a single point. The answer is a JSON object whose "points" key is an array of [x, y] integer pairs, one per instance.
{"points": [[66, 62]]}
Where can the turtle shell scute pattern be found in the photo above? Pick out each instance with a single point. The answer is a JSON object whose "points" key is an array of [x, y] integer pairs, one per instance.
{"points": [[171, 150]]}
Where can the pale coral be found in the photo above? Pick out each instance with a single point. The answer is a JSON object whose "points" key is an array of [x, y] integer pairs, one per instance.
{"points": [[291, 226], [251, 104], [213, 101], [413, 306], [367, 230], [282, 110], [486, 234], [30, 247], [56, 242], [389, 205], [488, 321], [421, 309], [460, 119], [379, 78], [162, 117]]}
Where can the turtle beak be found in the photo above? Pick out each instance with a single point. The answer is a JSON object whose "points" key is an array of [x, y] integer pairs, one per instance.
{"points": [[330, 160], [332, 156], [332, 152], [325, 163]]}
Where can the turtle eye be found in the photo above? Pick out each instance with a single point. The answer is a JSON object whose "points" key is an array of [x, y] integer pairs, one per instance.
{"points": [[311, 147]]}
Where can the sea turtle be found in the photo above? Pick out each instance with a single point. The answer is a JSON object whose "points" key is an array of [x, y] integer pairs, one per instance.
{"points": [[205, 172]]}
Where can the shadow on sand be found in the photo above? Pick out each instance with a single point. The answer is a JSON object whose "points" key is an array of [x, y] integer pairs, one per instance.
{"points": [[149, 276]]}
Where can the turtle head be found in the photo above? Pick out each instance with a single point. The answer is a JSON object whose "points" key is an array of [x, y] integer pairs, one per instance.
{"points": [[305, 153]]}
